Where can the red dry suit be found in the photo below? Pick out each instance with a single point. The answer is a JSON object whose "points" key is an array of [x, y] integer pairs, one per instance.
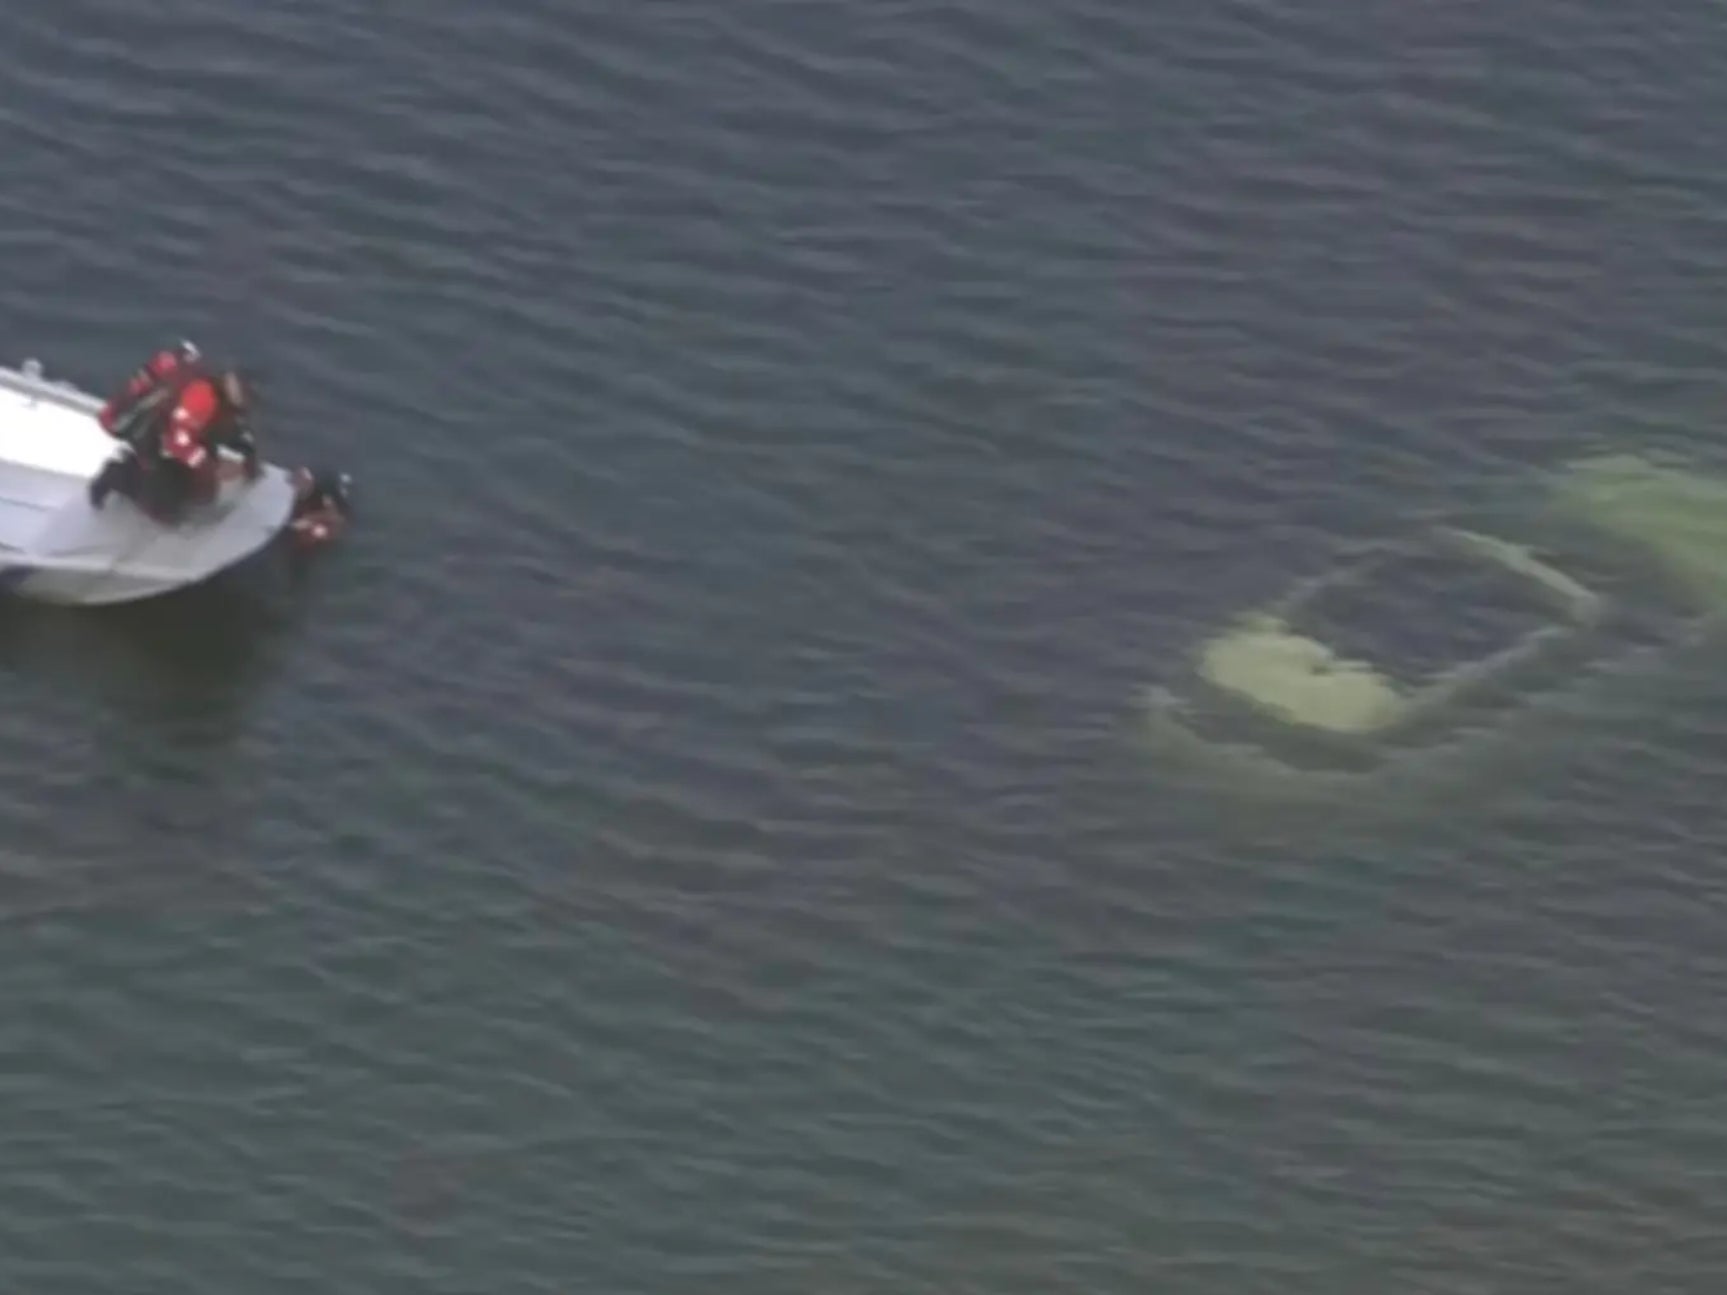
{"points": [[202, 420]]}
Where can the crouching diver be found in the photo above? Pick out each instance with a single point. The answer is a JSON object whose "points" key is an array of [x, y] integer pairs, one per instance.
{"points": [[131, 411], [209, 415], [174, 419]]}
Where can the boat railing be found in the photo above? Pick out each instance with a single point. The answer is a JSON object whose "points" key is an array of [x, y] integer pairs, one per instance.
{"points": [[28, 380]]}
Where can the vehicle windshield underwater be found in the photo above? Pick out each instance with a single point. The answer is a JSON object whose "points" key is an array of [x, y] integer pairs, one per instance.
{"points": [[1412, 656]]}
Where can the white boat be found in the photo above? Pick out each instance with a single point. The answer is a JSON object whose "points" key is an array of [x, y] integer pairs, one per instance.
{"points": [[55, 547]]}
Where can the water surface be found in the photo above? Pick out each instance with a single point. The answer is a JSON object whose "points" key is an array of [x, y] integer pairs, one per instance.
{"points": [[692, 838]]}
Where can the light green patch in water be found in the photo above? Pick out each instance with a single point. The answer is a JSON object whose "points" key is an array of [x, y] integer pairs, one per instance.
{"points": [[1676, 518]]}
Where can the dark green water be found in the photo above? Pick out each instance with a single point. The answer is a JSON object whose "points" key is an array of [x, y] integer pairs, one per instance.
{"points": [[691, 838]]}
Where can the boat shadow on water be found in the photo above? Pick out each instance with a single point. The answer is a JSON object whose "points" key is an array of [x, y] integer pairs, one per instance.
{"points": [[158, 696], [194, 643]]}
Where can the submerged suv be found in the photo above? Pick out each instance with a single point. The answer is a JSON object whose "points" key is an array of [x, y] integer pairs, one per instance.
{"points": [[1417, 654]]}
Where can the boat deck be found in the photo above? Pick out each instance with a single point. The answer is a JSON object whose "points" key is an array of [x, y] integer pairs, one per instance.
{"points": [[49, 450], [52, 433]]}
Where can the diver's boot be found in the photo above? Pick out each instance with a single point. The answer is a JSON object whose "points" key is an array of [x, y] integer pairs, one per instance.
{"points": [[102, 484]]}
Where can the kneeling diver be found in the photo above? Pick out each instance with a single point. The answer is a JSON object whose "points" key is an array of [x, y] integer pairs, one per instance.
{"points": [[174, 419]]}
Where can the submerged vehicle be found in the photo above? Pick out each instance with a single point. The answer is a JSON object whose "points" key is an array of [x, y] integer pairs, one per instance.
{"points": [[56, 547], [1411, 662]]}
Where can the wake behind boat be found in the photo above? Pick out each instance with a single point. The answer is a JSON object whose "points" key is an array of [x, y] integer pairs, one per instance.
{"points": [[58, 546]]}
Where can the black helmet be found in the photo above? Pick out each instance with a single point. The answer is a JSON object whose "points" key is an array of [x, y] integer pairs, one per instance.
{"points": [[327, 485]]}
